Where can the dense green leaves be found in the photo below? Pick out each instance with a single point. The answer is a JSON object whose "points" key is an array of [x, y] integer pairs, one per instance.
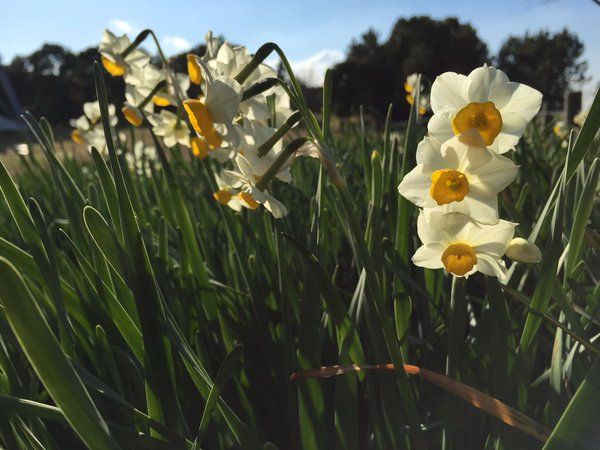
{"points": [[49, 361], [135, 285]]}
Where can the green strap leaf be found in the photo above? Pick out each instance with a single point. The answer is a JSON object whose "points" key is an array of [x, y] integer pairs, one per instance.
{"points": [[225, 372], [48, 360], [578, 427]]}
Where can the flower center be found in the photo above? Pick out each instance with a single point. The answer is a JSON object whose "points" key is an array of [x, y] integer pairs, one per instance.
{"points": [[77, 137], [199, 147], [223, 196], [116, 70], [459, 258], [483, 117], [132, 115], [194, 71], [202, 122], [448, 185], [248, 200]]}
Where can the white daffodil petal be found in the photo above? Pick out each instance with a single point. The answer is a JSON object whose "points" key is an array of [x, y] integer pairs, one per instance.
{"points": [[439, 127], [276, 208], [490, 266], [498, 174], [449, 92], [494, 239], [415, 186], [488, 82], [482, 207], [429, 256], [244, 166], [223, 100], [428, 152]]}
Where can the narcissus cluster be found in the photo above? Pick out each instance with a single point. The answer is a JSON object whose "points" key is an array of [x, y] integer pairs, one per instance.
{"points": [[460, 171], [233, 120]]}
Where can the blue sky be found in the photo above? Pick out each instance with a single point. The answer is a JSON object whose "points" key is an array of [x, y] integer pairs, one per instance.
{"points": [[313, 33]]}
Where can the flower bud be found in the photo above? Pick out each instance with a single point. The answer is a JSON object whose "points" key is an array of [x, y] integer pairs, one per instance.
{"points": [[523, 251]]}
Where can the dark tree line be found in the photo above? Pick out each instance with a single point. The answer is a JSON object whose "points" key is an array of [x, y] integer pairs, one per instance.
{"points": [[54, 82], [374, 72]]}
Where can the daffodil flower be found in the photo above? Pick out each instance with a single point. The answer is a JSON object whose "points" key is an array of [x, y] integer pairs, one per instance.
{"points": [[91, 116], [132, 108], [410, 86], [173, 130], [168, 96], [95, 138], [88, 127], [249, 195], [462, 246], [560, 129], [229, 61], [111, 51], [146, 79], [486, 101], [460, 175], [213, 43], [226, 194], [212, 116], [253, 136]]}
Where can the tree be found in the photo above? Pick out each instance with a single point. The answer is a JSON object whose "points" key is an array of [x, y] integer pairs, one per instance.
{"points": [[548, 62], [54, 82], [373, 74]]}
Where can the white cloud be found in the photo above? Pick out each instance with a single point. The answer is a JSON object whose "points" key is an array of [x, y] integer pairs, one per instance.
{"points": [[312, 69], [121, 26], [176, 43]]}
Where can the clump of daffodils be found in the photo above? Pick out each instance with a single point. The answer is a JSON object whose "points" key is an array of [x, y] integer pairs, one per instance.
{"points": [[88, 130], [460, 171], [232, 121], [410, 86]]}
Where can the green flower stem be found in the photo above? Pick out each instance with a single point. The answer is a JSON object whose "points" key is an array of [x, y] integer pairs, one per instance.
{"points": [[154, 91], [286, 154], [137, 41], [172, 78], [279, 134], [362, 253], [458, 317], [259, 88], [260, 55], [384, 317]]}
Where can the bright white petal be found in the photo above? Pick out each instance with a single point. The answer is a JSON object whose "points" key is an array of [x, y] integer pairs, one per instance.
{"points": [[489, 84], [223, 100], [276, 208], [498, 174], [244, 166], [415, 186], [428, 151], [492, 239], [439, 127], [449, 92], [490, 266], [429, 256], [481, 207]]}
